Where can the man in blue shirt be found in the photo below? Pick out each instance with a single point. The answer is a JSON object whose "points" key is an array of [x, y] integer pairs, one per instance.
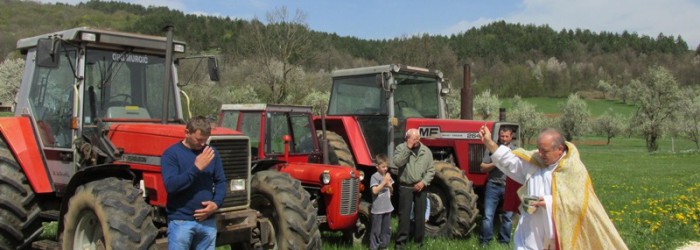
{"points": [[194, 179]]}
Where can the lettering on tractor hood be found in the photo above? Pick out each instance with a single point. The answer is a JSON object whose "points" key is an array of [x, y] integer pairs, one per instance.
{"points": [[435, 133]]}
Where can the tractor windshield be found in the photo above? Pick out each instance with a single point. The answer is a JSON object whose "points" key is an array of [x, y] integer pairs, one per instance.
{"points": [[414, 96], [359, 95], [124, 84]]}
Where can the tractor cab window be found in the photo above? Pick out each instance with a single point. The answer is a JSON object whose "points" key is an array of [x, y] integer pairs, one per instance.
{"points": [[250, 126], [357, 96], [229, 119], [124, 84], [302, 136], [416, 97], [51, 100], [297, 126]]}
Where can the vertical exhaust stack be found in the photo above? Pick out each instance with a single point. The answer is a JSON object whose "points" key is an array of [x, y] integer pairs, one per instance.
{"points": [[467, 104], [502, 114]]}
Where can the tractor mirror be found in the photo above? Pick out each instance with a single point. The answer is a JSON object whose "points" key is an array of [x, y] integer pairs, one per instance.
{"points": [[47, 53], [213, 67]]}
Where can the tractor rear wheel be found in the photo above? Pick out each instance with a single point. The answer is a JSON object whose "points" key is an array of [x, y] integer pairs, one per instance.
{"points": [[453, 209], [338, 150], [286, 204], [19, 209], [108, 214]]}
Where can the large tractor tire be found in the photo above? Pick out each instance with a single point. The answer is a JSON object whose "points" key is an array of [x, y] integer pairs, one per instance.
{"points": [[286, 204], [19, 210], [108, 214], [338, 150], [453, 209]]}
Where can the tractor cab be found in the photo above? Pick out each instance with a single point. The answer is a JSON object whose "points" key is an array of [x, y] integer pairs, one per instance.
{"points": [[268, 124], [85, 76], [381, 98]]}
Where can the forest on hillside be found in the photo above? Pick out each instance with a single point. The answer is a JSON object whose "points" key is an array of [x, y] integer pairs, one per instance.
{"points": [[263, 60]]}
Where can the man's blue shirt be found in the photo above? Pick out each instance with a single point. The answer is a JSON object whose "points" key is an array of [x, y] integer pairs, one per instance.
{"points": [[186, 185]]}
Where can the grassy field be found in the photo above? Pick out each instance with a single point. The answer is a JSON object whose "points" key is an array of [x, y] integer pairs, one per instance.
{"points": [[595, 106], [653, 199]]}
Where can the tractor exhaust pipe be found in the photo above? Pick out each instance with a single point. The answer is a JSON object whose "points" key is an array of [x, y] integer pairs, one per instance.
{"points": [[324, 144], [168, 71], [466, 108], [502, 114]]}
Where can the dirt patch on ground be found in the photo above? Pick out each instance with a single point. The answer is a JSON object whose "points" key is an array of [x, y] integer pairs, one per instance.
{"points": [[693, 245]]}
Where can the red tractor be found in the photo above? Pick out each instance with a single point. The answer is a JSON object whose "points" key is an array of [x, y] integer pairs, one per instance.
{"points": [[371, 108], [283, 138], [95, 111]]}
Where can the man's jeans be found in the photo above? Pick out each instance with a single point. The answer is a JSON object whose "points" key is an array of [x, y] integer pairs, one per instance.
{"points": [[493, 194], [187, 234]]}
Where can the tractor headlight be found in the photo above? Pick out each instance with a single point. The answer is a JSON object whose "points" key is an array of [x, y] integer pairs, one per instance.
{"points": [[362, 175], [326, 177], [237, 185]]}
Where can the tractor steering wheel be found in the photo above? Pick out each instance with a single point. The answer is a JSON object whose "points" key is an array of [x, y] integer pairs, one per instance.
{"points": [[112, 102], [401, 104]]}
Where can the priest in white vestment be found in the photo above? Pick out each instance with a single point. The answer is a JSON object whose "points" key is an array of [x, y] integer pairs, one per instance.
{"points": [[559, 208]]}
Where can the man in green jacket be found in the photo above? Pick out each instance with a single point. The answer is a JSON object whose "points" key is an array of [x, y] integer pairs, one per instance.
{"points": [[416, 170]]}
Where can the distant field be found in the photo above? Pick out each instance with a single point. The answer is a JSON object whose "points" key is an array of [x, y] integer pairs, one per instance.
{"points": [[596, 106], [653, 199]]}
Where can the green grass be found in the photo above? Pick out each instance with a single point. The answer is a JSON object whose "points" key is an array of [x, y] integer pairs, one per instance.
{"points": [[653, 199], [596, 106]]}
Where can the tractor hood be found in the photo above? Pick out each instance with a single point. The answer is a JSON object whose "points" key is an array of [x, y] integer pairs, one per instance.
{"points": [[310, 173], [152, 139]]}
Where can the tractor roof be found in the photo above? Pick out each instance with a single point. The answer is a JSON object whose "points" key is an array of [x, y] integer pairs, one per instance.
{"points": [[103, 36], [386, 68], [267, 107]]}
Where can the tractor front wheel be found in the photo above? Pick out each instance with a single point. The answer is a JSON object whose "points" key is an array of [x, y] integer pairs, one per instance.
{"points": [[286, 204], [453, 209], [108, 214], [360, 233]]}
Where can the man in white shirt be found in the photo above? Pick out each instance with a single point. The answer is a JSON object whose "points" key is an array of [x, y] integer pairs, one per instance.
{"points": [[560, 209]]}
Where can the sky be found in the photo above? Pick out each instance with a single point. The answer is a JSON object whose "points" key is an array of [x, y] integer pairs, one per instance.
{"points": [[377, 19]]}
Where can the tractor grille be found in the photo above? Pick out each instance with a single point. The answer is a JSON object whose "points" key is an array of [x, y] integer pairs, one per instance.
{"points": [[476, 155], [235, 156], [349, 195]]}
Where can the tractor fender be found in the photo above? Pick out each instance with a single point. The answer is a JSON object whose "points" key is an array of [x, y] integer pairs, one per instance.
{"points": [[348, 128], [22, 140], [89, 174]]}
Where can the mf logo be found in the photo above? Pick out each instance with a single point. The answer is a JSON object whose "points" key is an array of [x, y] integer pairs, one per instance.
{"points": [[429, 131]]}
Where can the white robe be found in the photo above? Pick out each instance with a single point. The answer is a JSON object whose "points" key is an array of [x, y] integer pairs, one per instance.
{"points": [[534, 231]]}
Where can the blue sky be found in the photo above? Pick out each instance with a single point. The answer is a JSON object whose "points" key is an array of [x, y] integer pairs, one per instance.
{"points": [[374, 19]]}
